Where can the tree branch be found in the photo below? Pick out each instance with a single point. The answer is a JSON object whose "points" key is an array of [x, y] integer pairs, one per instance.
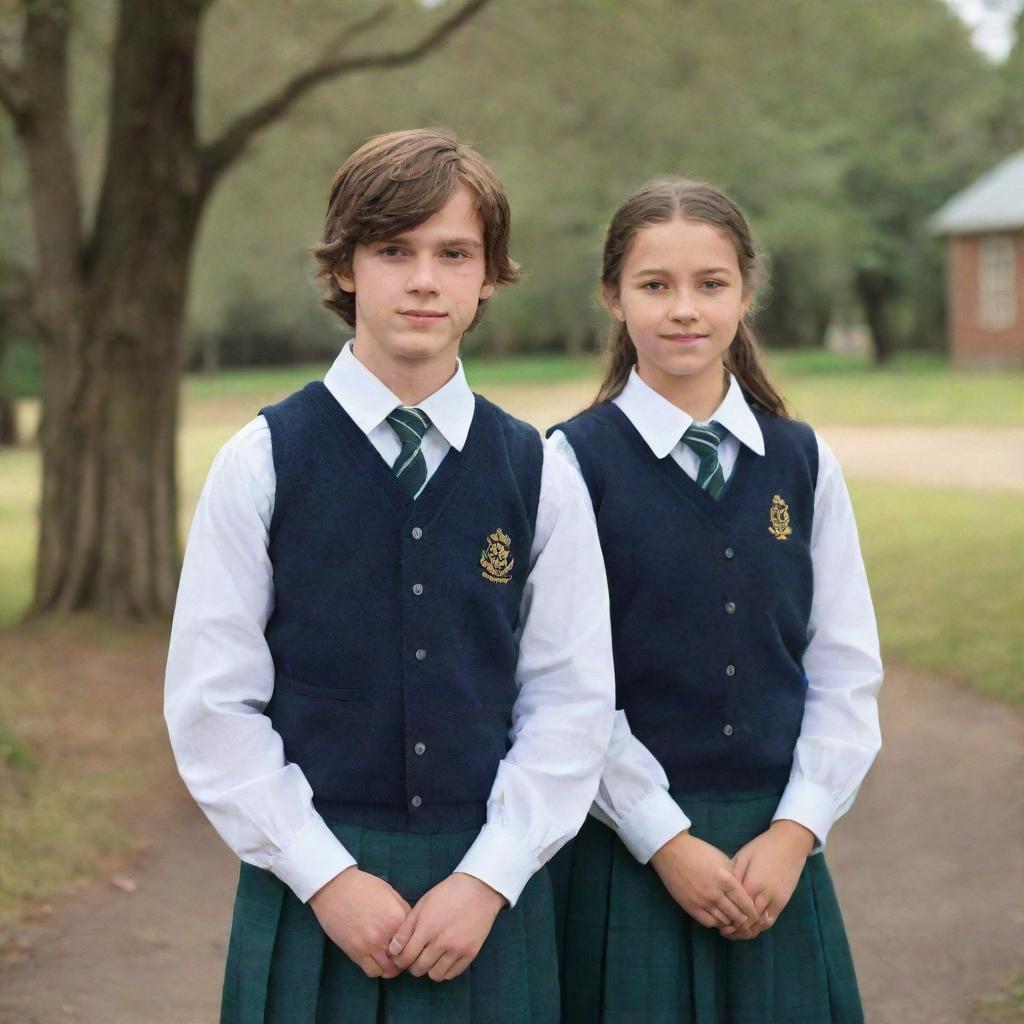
{"points": [[218, 155]]}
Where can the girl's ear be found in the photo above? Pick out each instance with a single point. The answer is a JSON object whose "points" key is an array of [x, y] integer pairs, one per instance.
{"points": [[346, 282], [611, 300]]}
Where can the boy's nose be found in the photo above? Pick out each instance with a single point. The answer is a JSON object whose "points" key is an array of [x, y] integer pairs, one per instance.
{"points": [[421, 278]]}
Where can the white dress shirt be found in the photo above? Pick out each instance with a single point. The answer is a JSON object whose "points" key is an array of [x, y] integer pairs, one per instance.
{"points": [[220, 674], [839, 734]]}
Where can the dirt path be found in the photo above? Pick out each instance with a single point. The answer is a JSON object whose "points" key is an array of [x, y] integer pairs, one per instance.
{"points": [[928, 867]]}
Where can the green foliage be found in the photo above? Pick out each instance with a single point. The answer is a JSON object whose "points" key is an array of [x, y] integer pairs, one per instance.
{"points": [[946, 587]]}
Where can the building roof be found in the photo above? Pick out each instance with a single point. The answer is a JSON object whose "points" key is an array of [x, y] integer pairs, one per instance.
{"points": [[995, 202]]}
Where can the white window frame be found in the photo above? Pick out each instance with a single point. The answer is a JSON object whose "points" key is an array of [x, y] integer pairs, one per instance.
{"points": [[997, 283]]}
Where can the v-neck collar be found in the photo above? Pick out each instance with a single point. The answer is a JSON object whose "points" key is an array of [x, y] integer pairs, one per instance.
{"points": [[359, 450], [718, 510]]}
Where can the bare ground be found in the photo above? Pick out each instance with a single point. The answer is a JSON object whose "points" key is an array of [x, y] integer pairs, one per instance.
{"points": [[927, 864]]}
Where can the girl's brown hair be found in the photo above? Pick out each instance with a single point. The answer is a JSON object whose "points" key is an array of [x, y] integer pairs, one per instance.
{"points": [[662, 201], [395, 182]]}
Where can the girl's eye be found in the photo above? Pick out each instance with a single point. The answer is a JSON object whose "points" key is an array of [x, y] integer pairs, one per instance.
{"points": [[712, 286]]}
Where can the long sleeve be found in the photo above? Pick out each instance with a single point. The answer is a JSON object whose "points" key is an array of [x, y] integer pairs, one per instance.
{"points": [[839, 734], [562, 718], [220, 676]]}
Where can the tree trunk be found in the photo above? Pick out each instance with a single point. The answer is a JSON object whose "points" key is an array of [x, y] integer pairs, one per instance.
{"points": [[108, 534], [875, 290]]}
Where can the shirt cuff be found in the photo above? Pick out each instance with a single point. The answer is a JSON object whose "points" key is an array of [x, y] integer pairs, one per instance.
{"points": [[502, 860], [809, 805], [651, 824], [311, 860]]}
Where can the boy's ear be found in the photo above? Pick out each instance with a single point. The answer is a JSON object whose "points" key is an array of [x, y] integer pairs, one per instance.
{"points": [[487, 290], [611, 300], [346, 282]]}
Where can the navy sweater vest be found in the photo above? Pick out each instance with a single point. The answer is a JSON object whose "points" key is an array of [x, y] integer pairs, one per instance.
{"points": [[393, 632], [710, 600]]}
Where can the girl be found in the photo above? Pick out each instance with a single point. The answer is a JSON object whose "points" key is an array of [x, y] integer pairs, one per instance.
{"points": [[746, 653]]}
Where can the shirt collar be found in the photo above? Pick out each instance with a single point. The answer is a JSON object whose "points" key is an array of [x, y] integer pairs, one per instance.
{"points": [[369, 401], [661, 424]]}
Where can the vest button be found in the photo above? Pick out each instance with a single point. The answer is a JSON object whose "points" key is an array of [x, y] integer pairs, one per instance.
{"points": [[421, 654], [420, 748], [730, 607], [417, 589], [730, 670], [416, 801], [729, 553], [416, 533], [727, 729]]}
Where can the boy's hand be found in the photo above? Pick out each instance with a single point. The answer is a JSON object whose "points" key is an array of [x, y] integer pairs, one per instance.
{"points": [[769, 867], [445, 930], [360, 912], [699, 877]]}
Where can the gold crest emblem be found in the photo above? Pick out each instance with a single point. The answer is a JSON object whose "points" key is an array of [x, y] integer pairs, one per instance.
{"points": [[778, 514], [496, 558]]}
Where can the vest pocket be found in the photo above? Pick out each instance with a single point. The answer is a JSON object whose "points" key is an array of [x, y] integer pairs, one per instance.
{"points": [[322, 692]]}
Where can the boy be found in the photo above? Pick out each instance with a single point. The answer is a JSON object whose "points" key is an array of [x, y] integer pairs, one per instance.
{"points": [[388, 579]]}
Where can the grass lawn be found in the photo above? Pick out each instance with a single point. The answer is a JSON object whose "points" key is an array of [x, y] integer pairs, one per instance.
{"points": [[946, 579]]}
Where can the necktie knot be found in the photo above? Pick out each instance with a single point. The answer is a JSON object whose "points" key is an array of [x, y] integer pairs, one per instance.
{"points": [[410, 467], [703, 440]]}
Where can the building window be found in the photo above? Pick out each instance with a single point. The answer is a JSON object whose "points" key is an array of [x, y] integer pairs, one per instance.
{"points": [[997, 277]]}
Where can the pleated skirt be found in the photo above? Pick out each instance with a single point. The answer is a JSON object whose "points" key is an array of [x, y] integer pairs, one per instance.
{"points": [[282, 968], [630, 955]]}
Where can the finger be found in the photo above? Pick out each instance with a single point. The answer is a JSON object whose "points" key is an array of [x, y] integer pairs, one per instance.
{"points": [[704, 918], [388, 968], [740, 898], [719, 916], [370, 967], [426, 960], [458, 967], [440, 970], [734, 915], [408, 941], [740, 864], [761, 901]]}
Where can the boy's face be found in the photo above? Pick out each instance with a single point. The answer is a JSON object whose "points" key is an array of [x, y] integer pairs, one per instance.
{"points": [[416, 294]]}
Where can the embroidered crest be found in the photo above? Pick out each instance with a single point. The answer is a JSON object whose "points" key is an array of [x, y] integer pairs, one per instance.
{"points": [[496, 558], [778, 514]]}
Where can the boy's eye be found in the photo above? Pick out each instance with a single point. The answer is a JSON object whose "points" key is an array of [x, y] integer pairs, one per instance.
{"points": [[652, 286], [389, 250], [455, 254]]}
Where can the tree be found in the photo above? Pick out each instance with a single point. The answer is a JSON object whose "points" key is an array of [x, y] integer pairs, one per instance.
{"points": [[109, 301]]}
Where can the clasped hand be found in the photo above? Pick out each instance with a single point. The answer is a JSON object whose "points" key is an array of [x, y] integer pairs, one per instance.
{"points": [[378, 930], [741, 896]]}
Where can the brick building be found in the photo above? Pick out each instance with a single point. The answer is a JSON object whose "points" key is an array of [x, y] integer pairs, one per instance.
{"points": [[984, 228]]}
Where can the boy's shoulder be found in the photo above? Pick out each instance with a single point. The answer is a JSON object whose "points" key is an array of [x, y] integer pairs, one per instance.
{"points": [[514, 429]]}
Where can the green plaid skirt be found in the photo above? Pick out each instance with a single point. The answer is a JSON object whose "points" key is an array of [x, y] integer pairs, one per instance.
{"points": [[630, 955], [282, 968]]}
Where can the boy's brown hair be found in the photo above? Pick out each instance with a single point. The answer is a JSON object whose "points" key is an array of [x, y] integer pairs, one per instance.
{"points": [[395, 182]]}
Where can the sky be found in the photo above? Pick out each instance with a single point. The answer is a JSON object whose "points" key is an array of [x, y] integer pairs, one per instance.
{"points": [[992, 23]]}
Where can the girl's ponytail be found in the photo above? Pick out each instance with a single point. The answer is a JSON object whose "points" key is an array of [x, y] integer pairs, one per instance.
{"points": [[743, 361]]}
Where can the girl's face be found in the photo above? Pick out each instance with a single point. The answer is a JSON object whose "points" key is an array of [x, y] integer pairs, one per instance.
{"points": [[681, 297]]}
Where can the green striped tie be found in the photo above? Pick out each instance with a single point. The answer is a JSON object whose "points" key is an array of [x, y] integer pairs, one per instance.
{"points": [[703, 441], [410, 467]]}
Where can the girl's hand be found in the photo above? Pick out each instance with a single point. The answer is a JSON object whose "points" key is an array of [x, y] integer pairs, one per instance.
{"points": [[769, 867], [699, 877]]}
